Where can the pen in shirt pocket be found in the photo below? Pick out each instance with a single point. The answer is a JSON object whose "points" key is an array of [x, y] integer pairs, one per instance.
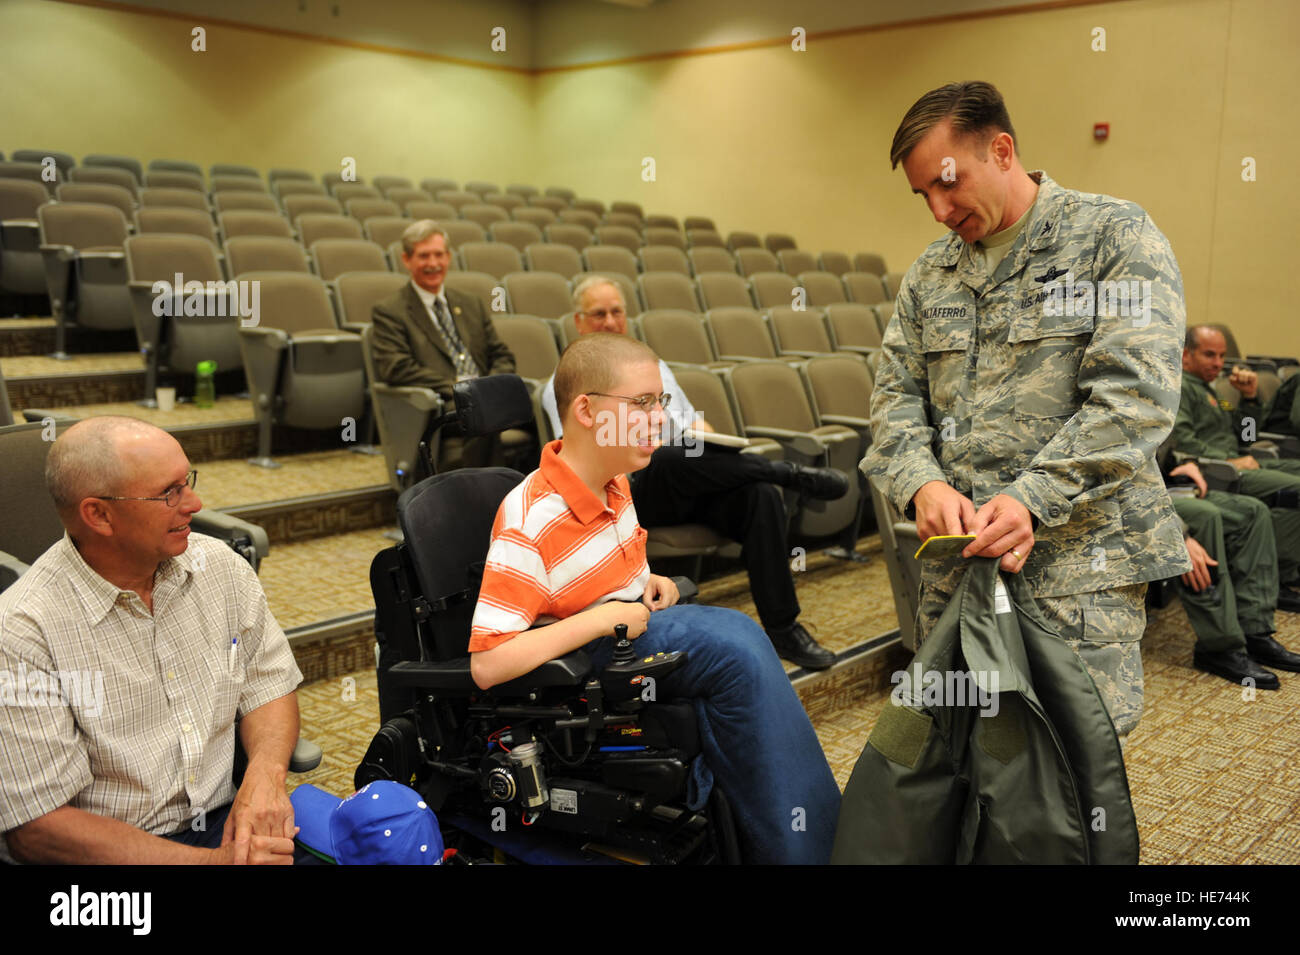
{"points": [[234, 652]]}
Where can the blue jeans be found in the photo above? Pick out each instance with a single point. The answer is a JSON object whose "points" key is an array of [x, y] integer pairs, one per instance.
{"points": [[756, 737]]}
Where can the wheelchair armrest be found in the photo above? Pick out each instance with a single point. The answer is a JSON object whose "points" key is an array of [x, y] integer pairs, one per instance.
{"points": [[454, 675], [687, 591], [11, 568], [1288, 445], [306, 756]]}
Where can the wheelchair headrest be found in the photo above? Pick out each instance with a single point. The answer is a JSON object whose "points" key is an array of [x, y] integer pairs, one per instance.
{"points": [[492, 404]]}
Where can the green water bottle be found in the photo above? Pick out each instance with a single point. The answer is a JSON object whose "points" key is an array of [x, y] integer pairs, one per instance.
{"points": [[205, 388]]}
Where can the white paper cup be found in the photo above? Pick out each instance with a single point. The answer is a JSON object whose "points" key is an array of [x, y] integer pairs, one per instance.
{"points": [[166, 398]]}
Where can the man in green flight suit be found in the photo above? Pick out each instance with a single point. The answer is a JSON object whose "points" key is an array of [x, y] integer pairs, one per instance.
{"points": [[1233, 617], [1028, 374], [1208, 427]]}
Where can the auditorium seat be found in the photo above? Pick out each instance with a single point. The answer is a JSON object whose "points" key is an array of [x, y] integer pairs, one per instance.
{"points": [[106, 174], [314, 226], [723, 290], [663, 258], [892, 280], [323, 383], [583, 217], [869, 262], [480, 188], [704, 237], [563, 193], [658, 235], [743, 240], [404, 196], [534, 216], [611, 258], [532, 341], [800, 332], [623, 220], [385, 230], [628, 238], [865, 288], [103, 194], [854, 328], [569, 233], [233, 169], [544, 294], [563, 260], [594, 206], [30, 172], [246, 201], [434, 185], [298, 187], [63, 162], [332, 257], [711, 395], [344, 192], [554, 203], [837, 263], [525, 192], [236, 184], [81, 245], [519, 234], [676, 335], [357, 293], [296, 205], [363, 209], [484, 215], [245, 222], [165, 179], [700, 222], [495, 258], [179, 222], [486, 288], [750, 261], [794, 261], [823, 288], [21, 270], [334, 178], [667, 290], [741, 334], [125, 163], [437, 211], [279, 174], [264, 253], [457, 198], [629, 208], [708, 258], [774, 242], [386, 184], [771, 289], [504, 200], [176, 165]]}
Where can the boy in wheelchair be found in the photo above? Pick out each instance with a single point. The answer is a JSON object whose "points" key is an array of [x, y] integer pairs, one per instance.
{"points": [[568, 560]]}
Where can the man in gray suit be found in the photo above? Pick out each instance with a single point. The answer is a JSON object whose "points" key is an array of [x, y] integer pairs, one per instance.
{"points": [[432, 337]]}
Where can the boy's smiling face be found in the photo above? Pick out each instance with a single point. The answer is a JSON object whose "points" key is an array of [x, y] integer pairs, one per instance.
{"points": [[621, 426]]}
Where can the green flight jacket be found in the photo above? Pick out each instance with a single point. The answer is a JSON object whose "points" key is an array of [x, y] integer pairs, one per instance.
{"points": [[1040, 782], [1207, 426]]}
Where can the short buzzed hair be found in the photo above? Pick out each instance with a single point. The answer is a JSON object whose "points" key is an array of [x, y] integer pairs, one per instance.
{"points": [[420, 231], [86, 461], [594, 363], [595, 281], [974, 107]]}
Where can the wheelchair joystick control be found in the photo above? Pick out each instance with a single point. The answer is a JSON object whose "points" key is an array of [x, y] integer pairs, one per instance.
{"points": [[624, 652]]}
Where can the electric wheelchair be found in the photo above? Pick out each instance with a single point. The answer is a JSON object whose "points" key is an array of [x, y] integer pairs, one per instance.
{"points": [[563, 764]]}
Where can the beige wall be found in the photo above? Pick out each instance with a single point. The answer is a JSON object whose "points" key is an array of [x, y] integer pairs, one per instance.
{"points": [[764, 139], [774, 140], [129, 83]]}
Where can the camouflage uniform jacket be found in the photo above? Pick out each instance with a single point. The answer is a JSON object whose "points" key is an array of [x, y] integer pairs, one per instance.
{"points": [[980, 385], [1208, 427]]}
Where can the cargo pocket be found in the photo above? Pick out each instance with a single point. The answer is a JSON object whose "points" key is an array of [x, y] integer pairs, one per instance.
{"points": [[1111, 650]]}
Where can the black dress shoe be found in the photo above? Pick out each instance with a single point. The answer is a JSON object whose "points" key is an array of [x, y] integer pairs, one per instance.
{"points": [[820, 484], [797, 645], [1264, 649], [1288, 600], [1235, 666]]}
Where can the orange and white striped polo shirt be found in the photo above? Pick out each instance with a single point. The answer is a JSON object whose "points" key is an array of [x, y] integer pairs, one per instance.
{"points": [[556, 550]]}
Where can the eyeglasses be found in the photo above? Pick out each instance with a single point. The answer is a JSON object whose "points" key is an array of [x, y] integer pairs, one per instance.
{"points": [[645, 402], [618, 311], [172, 495]]}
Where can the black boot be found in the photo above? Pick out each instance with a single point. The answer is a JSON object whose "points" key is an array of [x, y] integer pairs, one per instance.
{"points": [[1264, 649], [1236, 667], [796, 645], [820, 484]]}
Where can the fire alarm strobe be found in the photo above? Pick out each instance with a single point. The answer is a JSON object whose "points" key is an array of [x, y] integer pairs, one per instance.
{"points": [[1101, 131]]}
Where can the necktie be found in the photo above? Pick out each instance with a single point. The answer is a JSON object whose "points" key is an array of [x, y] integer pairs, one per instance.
{"points": [[466, 367]]}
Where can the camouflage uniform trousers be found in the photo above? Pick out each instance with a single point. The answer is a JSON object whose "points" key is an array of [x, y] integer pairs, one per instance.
{"points": [[1104, 628]]}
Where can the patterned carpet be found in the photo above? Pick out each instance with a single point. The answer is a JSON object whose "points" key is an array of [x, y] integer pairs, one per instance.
{"points": [[43, 365], [226, 411], [1215, 778]]}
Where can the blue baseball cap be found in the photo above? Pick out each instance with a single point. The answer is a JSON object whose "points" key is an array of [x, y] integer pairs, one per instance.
{"points": [[383, 823]]}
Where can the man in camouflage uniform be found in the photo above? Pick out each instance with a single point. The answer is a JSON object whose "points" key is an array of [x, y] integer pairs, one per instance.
{"points": [[1012, 404], [1209, 427]]}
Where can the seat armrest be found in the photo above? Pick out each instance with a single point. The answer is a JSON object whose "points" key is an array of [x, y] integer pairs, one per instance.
{"points": [[801, 442], [849, 421], [227, 527], [1288, 445], [11, 568], [421, 399]]}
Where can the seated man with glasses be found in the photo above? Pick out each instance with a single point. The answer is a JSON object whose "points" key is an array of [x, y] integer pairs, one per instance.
{"points": [[734, 494], [131, 653], [567, 564]]}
